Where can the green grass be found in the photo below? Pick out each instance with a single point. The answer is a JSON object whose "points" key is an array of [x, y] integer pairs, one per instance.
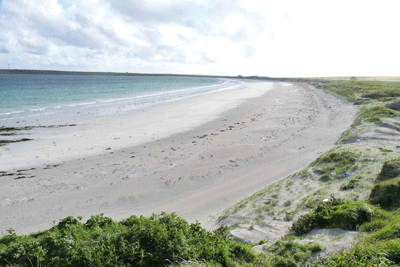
{"points": [[287, 203], [375, 115], [337, 161], [289, 253], [386, 194], [353, 183], [363, 79], [381, 247], [159, 240], [390, 170], [356, 90], [354, 259], [273, 188], [336, 213]]}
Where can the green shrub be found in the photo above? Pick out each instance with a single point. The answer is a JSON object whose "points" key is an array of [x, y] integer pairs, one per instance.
{"points": [[386, 194], [390, 170], [335, 213], [159, 240]]}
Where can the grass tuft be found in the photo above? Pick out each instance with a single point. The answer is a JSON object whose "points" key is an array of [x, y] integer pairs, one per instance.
{"points": [[390, 170], [386, 194]]}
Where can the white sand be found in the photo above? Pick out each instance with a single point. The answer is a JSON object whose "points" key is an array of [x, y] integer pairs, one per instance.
{"points": [[195, 157]]}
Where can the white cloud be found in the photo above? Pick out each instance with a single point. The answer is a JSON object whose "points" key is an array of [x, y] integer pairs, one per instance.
{"points": [[249, 37]]}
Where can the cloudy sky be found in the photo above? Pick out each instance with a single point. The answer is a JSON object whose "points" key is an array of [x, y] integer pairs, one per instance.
{"points": [[221, 37]]}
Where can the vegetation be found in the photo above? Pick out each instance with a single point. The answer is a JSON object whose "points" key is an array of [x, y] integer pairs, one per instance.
{"points": [[11, 131], [334, 161], [390, 170], [361, 90], [351, 184], [375, 114], [288, 253], [336, 213], [360, 158], [159, 240], [3, 142], [386, 194]]}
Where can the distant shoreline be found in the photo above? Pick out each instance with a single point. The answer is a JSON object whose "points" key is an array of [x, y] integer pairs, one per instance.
{"points": [[56, 72]]}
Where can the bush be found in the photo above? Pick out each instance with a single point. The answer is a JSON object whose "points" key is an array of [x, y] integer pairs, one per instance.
{"points": [[386, 194], [159, 240]]}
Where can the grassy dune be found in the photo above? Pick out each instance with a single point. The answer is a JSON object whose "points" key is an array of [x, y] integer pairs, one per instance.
{"points": [[354, 187], [361, 79]]}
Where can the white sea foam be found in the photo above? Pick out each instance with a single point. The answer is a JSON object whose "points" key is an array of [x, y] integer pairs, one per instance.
{"points": [[36, 109], [81, 104], [72, 101]]}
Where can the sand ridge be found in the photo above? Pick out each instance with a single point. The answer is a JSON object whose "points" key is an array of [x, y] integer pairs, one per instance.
{"points": [[196, 173]]}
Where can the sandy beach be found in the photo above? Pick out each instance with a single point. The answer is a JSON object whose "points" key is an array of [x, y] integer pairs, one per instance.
{"points": [[195, 157]]}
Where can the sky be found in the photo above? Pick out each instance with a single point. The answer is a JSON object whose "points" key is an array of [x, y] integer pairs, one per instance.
{"points": [[212, 37]]}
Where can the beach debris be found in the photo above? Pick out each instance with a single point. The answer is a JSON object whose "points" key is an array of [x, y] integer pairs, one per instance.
{"points": [[345, 175], [333, 174]]}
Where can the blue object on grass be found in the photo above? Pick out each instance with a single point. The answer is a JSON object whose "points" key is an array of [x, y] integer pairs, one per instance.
{"points": [[333, 174], [345, 175]]}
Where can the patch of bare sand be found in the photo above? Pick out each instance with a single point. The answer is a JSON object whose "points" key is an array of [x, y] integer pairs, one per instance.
{"points": [[332, 240], [197, 173]]}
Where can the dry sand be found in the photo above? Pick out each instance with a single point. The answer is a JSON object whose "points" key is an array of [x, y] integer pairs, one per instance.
{"points": [[197, 166]]}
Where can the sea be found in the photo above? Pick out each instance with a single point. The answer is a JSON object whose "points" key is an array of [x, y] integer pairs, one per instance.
{"points": [[31, 100]]}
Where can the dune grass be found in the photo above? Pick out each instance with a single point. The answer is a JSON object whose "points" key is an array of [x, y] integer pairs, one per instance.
{"points": [[390, 170], [355, 90]]}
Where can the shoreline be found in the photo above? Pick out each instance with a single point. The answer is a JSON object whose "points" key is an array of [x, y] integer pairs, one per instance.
{"points": [[97, 135], [197, 173]]}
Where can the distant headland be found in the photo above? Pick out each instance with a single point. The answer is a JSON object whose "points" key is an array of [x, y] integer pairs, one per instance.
{"points": [[56, 72]]}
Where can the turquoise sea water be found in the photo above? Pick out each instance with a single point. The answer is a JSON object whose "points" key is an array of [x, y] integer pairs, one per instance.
{"points": [[54, 99]]}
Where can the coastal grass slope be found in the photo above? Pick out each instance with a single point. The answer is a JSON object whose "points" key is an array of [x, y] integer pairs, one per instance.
{"points": [[352, 187]]}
